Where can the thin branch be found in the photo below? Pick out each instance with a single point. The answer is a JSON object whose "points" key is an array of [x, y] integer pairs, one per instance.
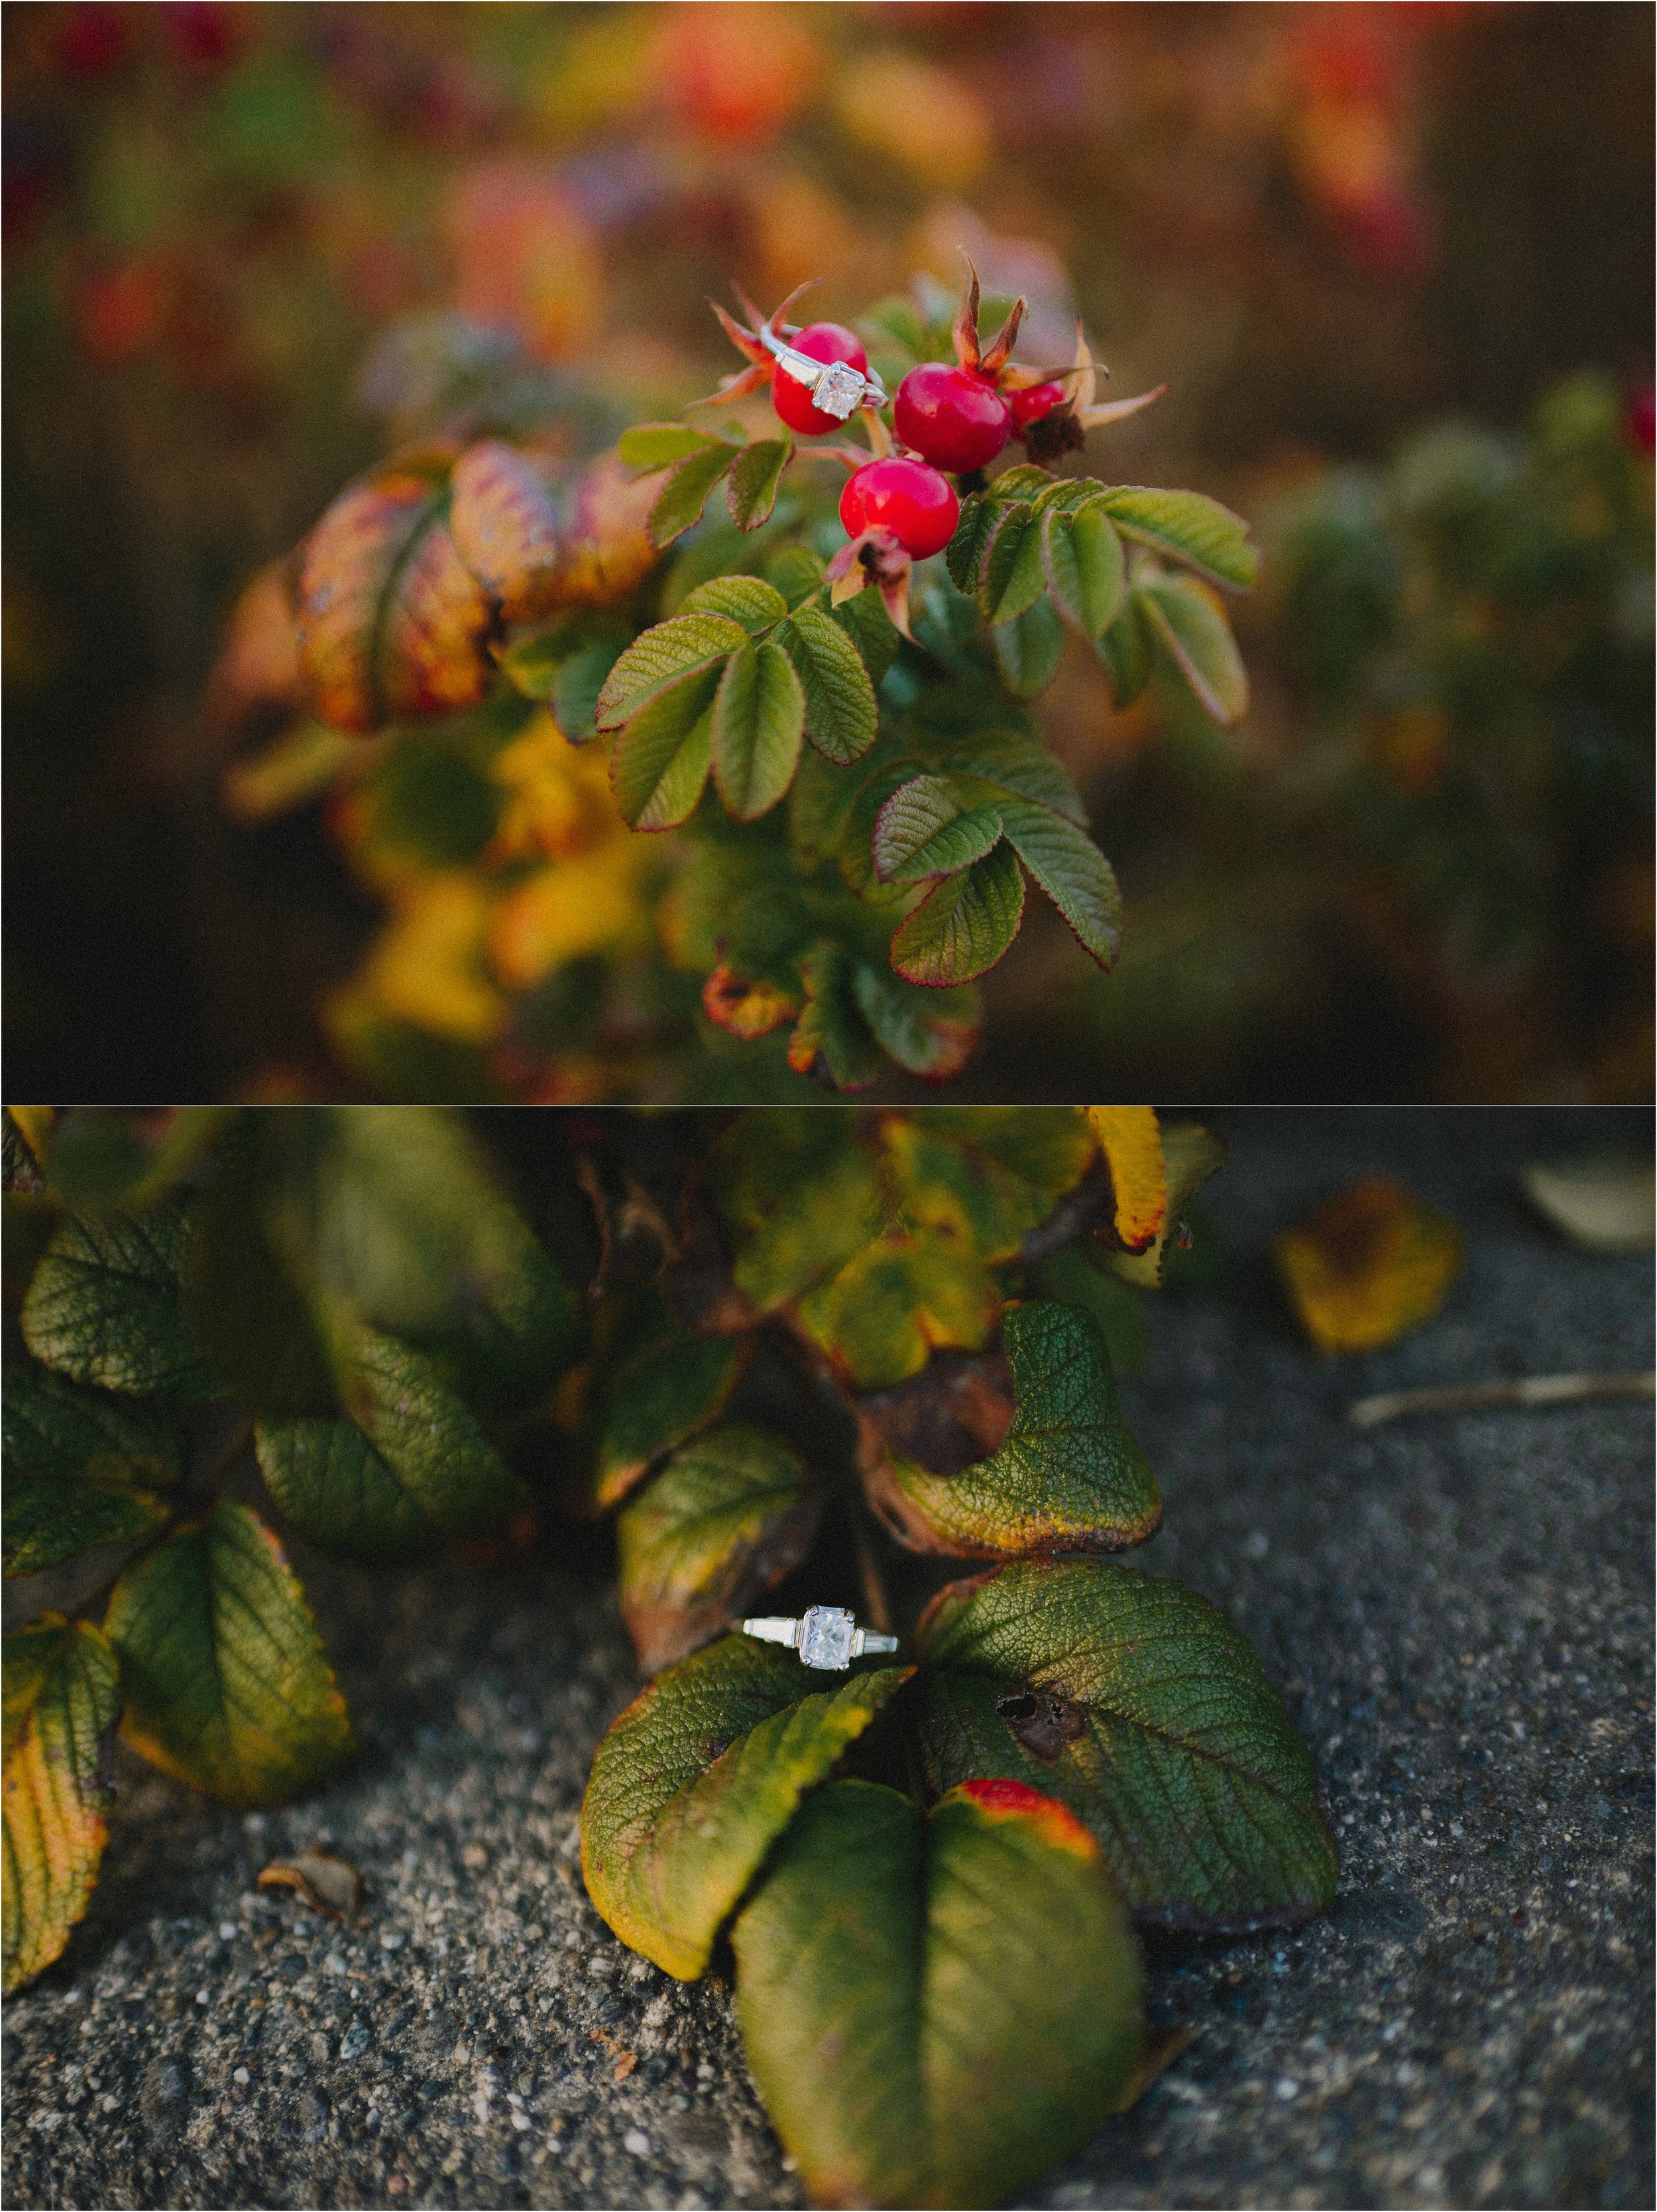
{"points": [[874, 1589], [1522, 1390]]}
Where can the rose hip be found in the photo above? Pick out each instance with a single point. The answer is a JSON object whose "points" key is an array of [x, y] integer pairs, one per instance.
{"points": [[913, 502], [950, 418], [793, 402]]}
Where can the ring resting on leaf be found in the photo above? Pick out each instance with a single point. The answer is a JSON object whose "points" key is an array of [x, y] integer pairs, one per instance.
{"points": [[827, 1637]]}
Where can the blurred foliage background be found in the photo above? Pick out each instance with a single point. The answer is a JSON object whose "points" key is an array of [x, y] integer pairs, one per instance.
{"points": [[1394, 261]]}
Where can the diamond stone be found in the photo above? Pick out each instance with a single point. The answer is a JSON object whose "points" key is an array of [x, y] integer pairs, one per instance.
{"points": [[825, 1638], [839, 390]]}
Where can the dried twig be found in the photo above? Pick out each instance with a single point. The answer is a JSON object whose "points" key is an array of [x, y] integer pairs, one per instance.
{"points": [[1522, 1390]]}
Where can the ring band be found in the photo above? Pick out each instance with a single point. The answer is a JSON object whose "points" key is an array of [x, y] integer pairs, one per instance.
{"points": [[836, 386], [827, 1637]]}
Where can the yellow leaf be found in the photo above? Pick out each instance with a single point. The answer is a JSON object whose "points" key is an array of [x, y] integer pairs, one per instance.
{"points": [[427, 965], [559, 799], [570, 908], [1133, 1147], [61, 1695], [1369, 1264]]}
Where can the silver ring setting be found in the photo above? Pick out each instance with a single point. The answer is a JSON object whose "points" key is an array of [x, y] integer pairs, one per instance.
{"points": [[836, 386], [827, 1637]]}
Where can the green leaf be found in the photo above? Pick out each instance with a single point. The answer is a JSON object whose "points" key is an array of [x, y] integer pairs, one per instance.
{"points": [[664, 1395], [696, 1780], [52, 1427], [1028, 651], [227, 1688], [94, 1157], [799, 1194], [864, 620], [661, 759], [1190, 623], [1011, 578], [830, 1036], [1021, 765], [841, 716], [576, 689], [936, 2009], [650, 445], [29, 1217], [797, 573], [62, 1695], [660, 659], [964, 556], [757, 729], [748, 600], [1085, 570], [48, 1519], [1073, 872], [104, 1305], [531, 663], [1026, 480], [925, 829], [397, 1211], [965, 924], [1125, 651], [930, 1033], [1188, 526], [984, 1177], [409, 1472], [897, 1299], [1139, 1705], [680, 502], [727, 1516], [1068, 1476], [751, 492]]}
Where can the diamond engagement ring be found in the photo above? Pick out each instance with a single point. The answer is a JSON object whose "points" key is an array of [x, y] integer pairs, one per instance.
{"points": [[827, 1637], [834, 385]]}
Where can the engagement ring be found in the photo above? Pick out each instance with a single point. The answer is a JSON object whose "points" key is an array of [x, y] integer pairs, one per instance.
{"points": [[827, 1637], [834, 385]]}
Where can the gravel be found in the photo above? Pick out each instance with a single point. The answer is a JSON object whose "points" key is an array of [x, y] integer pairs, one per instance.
{"points": [[1456, 1607]]}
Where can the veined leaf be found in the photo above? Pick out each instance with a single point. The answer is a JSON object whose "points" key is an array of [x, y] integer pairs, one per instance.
{"points": [[1190, 622], [391, 621], [757, 729], [963, 927], [841, 716], [894, 1301], [661, 759], [1018, 764], [650, 445], [1073, 872], [925, 829], [227, 1688], [1140, 1706], [664, 1395], [661, 659], [104, 1305], [984, 1177], [751, 489], [62, 1695], [680, 502], [727, 1516], [410, 1470], [864, 620], [1191, 1154], [53, 1427], [1028, 650], [698, 1777], [1068, 1476], [931, 1033], [505, 528], [48, 1519], [936, 2009], [1025, 480], [1085, 570], [1188, 526], [830, 1035], [799, 1195], [1011, 576], [749, 600], [964, 556]]}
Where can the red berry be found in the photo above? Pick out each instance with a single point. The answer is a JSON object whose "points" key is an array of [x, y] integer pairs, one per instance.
{"points": [[917, 505], [823, 342], [951, 418], [1639, 419], [1033, 404]]}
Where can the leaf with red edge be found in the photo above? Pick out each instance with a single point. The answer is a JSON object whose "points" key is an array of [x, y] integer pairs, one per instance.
{"points": [[962, 927], [62, 1698], [505, 527], [390, 621]]}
